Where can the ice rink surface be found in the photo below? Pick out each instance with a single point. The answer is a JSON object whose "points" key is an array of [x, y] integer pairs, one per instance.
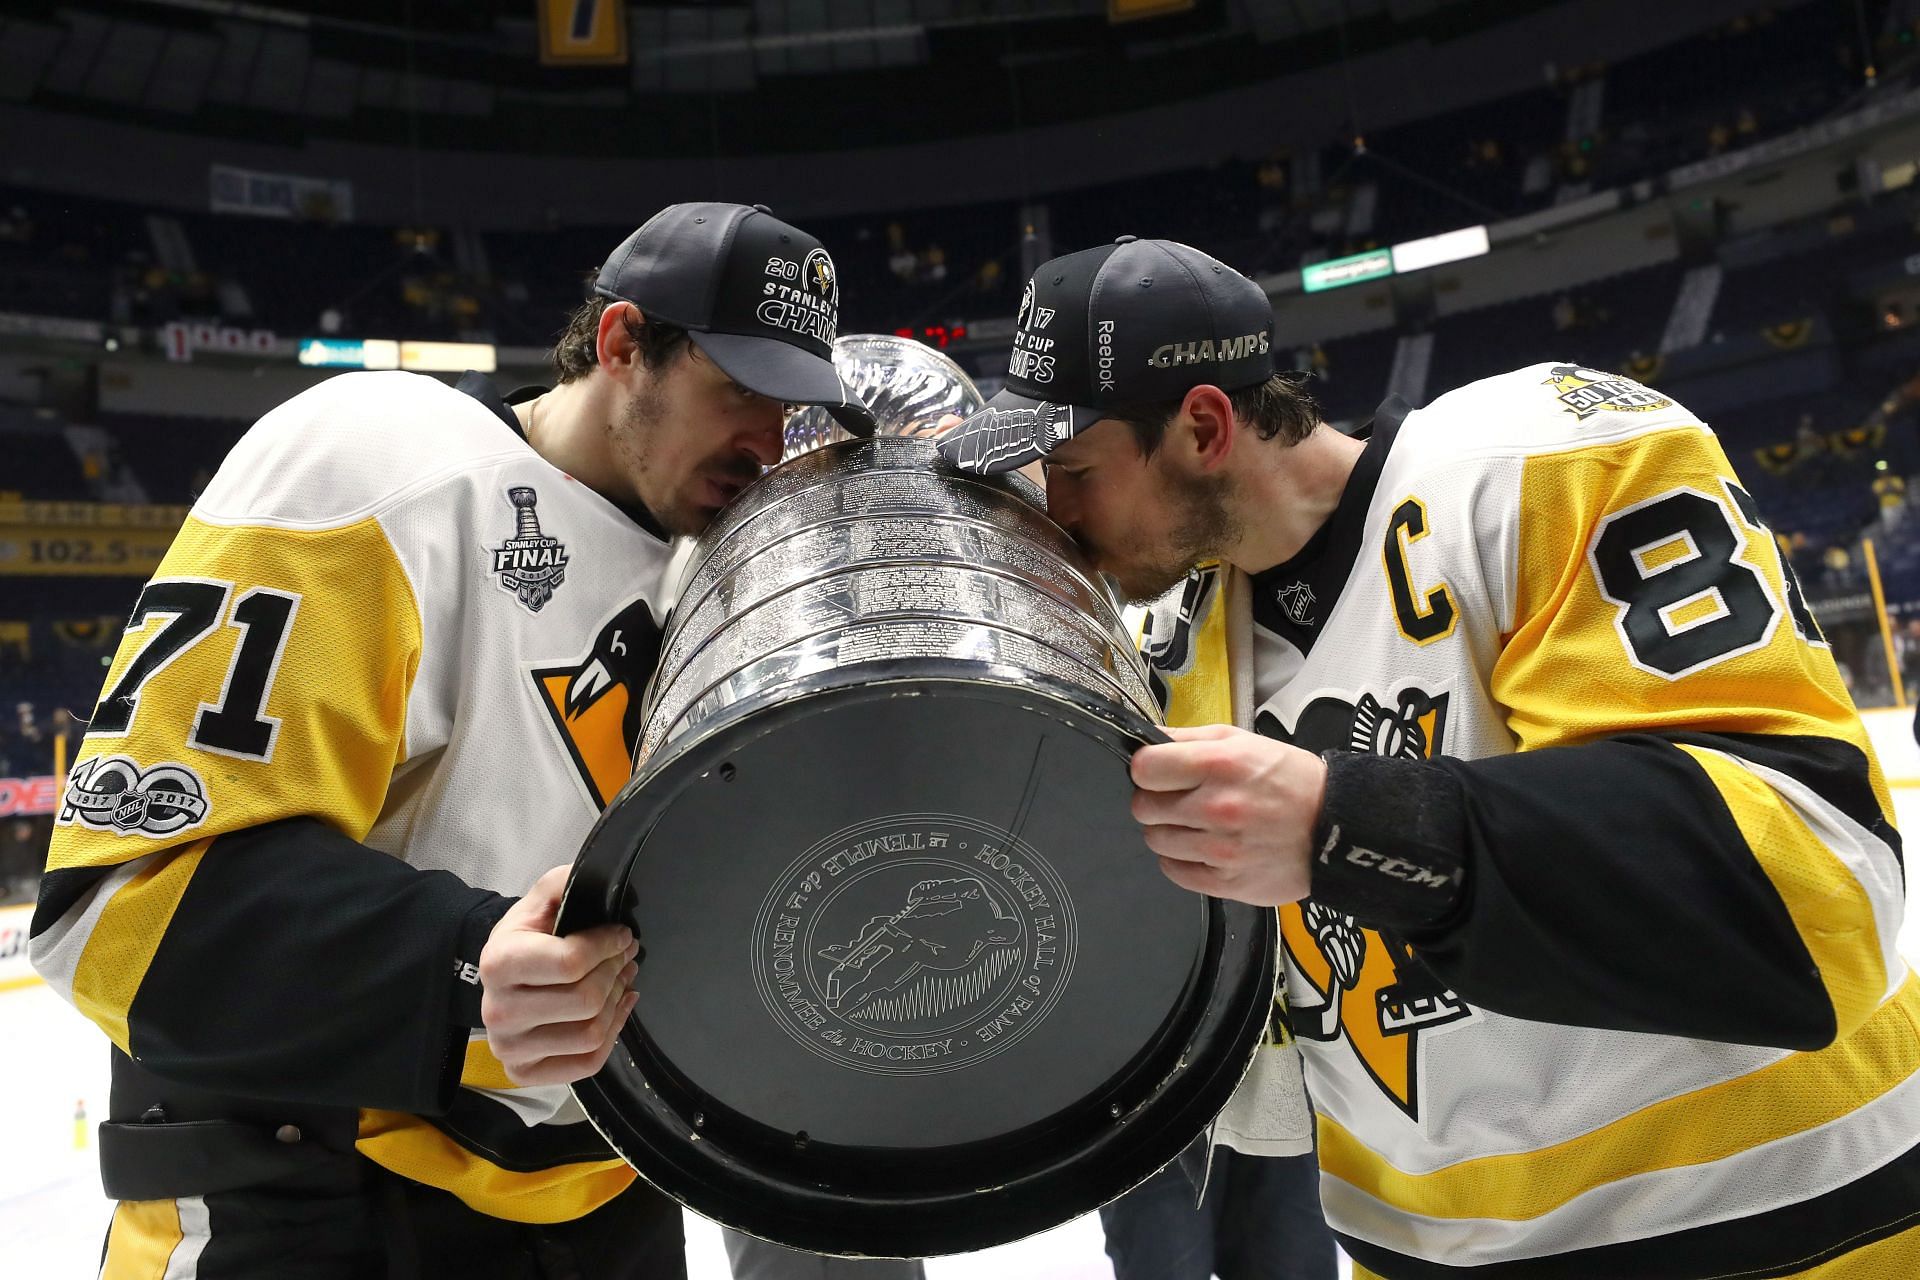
{"points": [[53, 1064]]}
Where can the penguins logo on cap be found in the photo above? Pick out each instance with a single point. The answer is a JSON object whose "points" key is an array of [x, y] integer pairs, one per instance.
{"points": [[818, 277]]}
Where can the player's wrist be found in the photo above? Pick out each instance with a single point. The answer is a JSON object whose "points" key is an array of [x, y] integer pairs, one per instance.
{"points": [[475, 929], [1389, 848]]}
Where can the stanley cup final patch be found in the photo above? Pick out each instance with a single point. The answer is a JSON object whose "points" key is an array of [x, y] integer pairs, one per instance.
{"points": [[530, 564]]}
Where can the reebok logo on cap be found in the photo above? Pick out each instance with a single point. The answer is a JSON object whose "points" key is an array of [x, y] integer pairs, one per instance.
{"points": [[1134, 321]]}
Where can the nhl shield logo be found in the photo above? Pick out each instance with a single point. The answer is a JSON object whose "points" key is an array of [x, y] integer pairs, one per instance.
{"points": [[1298, 601], [530, 564]]}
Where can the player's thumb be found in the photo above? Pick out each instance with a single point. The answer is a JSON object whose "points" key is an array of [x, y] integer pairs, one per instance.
{"points": [[541, 906]]}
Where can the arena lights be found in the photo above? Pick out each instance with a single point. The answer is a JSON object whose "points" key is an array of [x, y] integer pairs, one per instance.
{"points": [[350, 353], [1432, 251], [1356, 269], [385, 353], [1410, 255], [448, 357]]}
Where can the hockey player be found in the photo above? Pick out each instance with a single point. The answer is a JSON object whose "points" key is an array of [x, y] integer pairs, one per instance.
{"points": [[306, 869], [1588, 886]]}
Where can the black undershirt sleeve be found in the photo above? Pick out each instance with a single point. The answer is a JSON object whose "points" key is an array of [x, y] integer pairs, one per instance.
{"points": [[305, 966], [1602, 885]]}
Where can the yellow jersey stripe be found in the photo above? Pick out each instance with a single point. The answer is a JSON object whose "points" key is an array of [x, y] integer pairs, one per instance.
{"points": [[412, 1148], [117, 953], [1829, 906], [142, 1239], [481, 1070], [1800, 1092], [1894, 1256]]}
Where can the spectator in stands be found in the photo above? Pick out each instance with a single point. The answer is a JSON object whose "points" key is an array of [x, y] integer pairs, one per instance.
{"points": [[1810, 444], [62, 728], [1838, 563], [1890, 493], [20, 855], [1906, 651], [900, 259], [17, 226], [27, 725]]}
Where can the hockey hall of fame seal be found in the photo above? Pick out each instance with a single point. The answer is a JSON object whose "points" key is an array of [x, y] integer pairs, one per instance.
{"points": [[914, 944]]}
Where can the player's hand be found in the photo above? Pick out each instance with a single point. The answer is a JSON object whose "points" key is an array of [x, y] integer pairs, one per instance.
{"points": [[1230, 813], [554, 1007]]}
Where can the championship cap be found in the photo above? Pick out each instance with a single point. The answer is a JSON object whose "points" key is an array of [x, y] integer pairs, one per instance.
{"points": [[1135, 320], [760, 297]]}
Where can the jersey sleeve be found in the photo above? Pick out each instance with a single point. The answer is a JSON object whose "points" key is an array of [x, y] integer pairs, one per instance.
{"points": [[208, 899], [1693, 837]]}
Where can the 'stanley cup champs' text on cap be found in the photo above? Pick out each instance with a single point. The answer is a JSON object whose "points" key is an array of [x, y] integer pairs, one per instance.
{"points": [[1136, 320], [760, 297]]}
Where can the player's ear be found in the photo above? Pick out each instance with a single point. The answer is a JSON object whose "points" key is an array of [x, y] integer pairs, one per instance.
{"points": [[1206, 422], [614, 343]]}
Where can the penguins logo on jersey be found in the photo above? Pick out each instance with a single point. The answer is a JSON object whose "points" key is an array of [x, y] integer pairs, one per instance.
{"points": [[1173, 654], [1586, 392], [1365, 987], [595, 701]]}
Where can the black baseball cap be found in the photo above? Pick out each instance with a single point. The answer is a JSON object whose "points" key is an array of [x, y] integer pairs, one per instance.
{"points": [[1129, 321], [759, 296]]}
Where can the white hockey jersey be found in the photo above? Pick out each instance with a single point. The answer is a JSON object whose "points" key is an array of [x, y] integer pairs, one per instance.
{"points": [[1666, 1032], [388, 625]]}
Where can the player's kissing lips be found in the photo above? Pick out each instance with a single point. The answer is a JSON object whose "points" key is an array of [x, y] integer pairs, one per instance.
{"points": [[727, 488]]}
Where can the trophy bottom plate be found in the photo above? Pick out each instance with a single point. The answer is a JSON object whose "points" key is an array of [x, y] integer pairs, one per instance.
{"points": [[912, 982]]}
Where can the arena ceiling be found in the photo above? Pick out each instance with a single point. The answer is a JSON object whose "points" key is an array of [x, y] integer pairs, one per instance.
{"points": [[719, 77]]}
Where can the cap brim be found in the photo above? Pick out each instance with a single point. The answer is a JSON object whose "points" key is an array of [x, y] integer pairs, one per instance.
{"points": [[781, 371], [1013, 430]]}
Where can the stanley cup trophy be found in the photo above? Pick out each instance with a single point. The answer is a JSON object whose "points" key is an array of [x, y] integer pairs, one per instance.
{"points": [[911, 982]]}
